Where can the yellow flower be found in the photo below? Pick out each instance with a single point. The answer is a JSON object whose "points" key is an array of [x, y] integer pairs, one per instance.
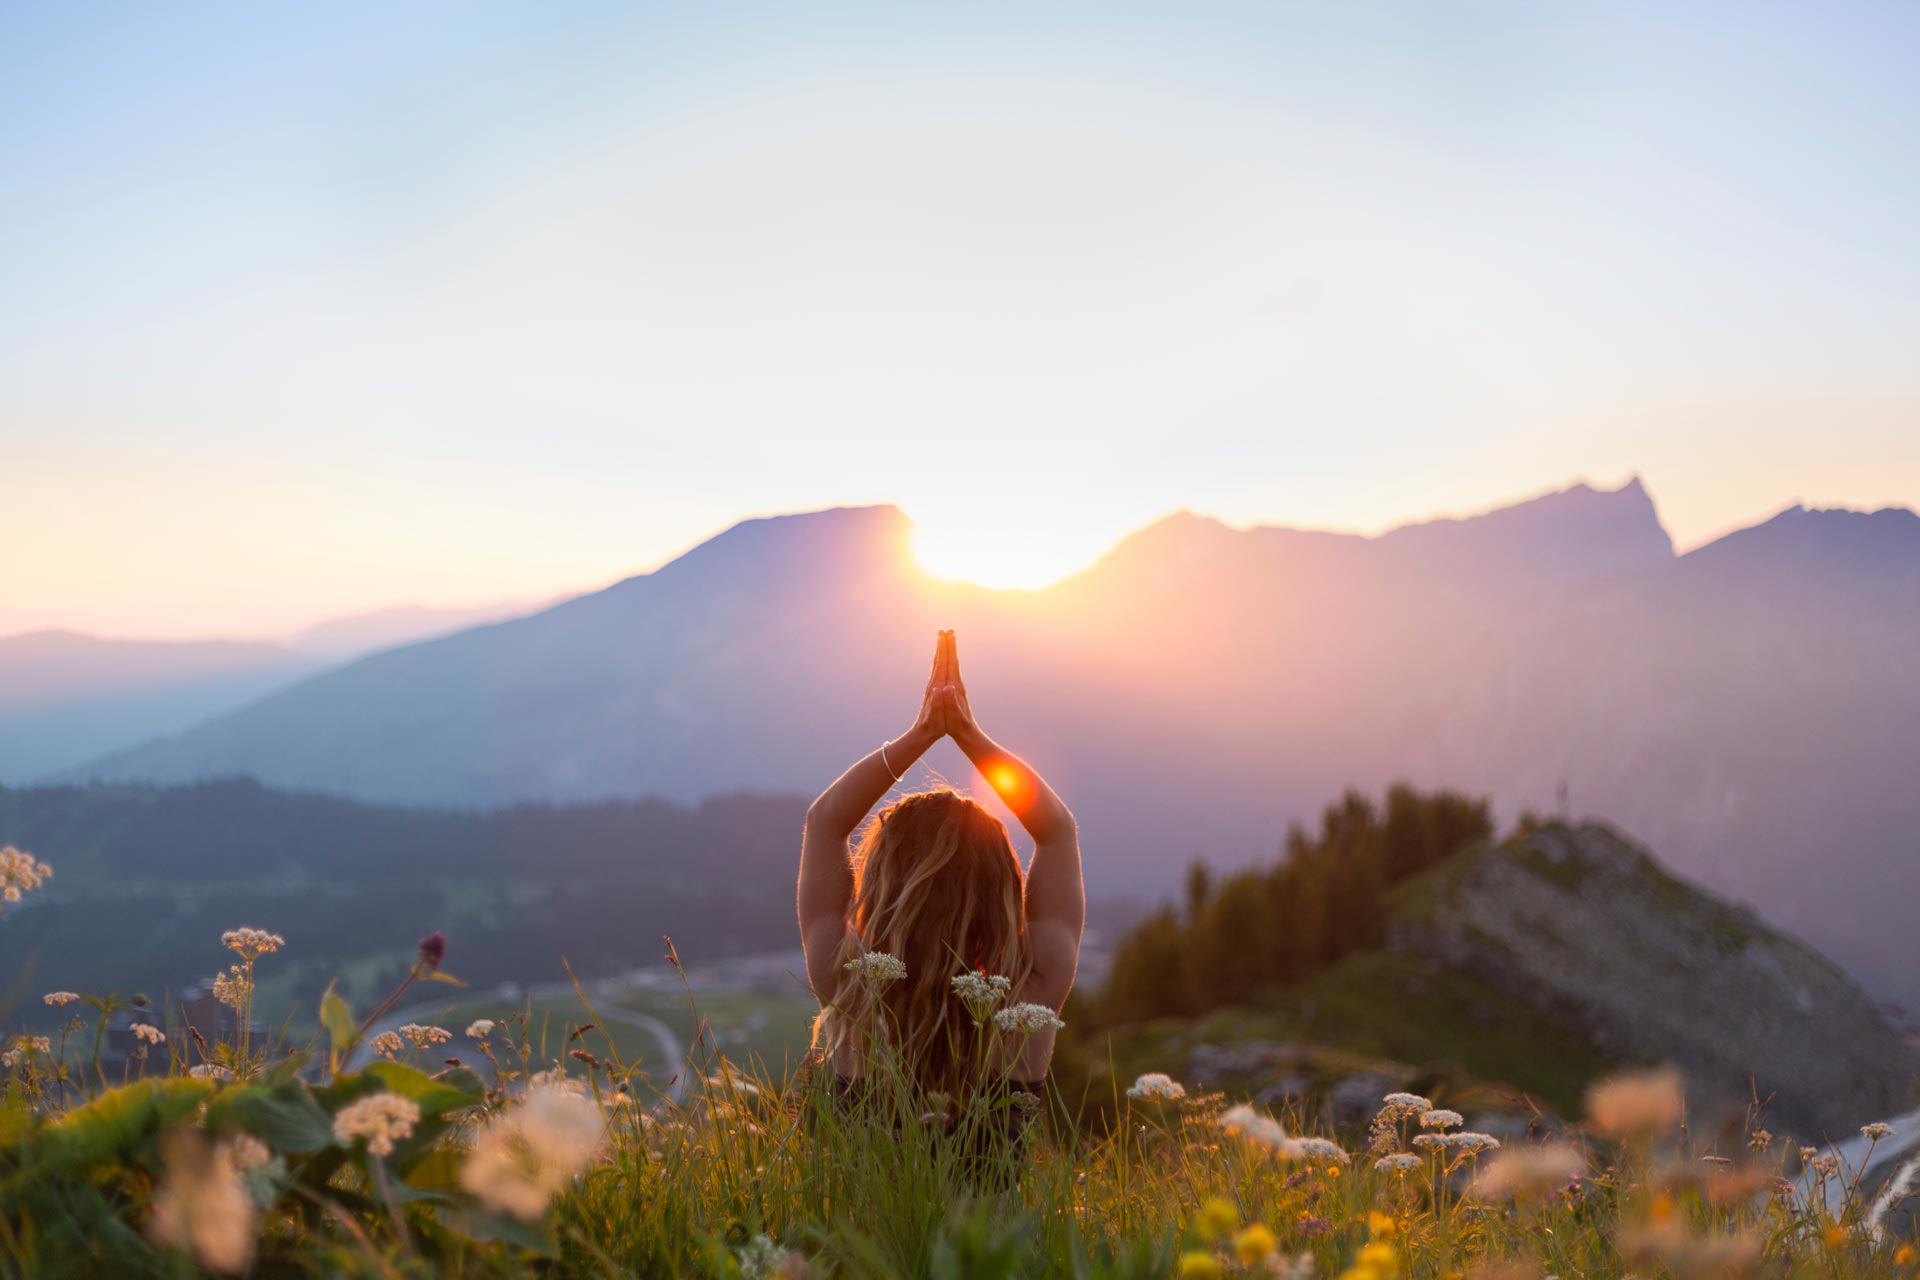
{"points": [[1379, 1257], [1360, 1273], [1253, 1244], [1662, 1210], [1197, 1264], [1379, 1225], [1903, 1255], [1835, 1235], [1218, 1217]]}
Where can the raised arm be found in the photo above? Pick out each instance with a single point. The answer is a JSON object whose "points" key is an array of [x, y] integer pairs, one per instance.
{"points": [[1056, 905], [826, 871]]}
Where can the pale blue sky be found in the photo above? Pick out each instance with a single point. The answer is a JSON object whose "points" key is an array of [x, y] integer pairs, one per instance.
{"points": [[313, 309]]}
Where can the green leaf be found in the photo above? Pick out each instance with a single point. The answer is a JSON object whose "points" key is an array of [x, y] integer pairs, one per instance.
{"points": [[435, 1097], [337, 1019], [441, 975], [112, 1126], [284, 1116]]}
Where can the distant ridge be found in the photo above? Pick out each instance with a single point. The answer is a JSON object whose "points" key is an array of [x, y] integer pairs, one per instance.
{"points": [[1750, 708]]}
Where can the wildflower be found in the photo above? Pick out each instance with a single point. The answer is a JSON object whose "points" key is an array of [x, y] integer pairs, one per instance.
{"points": [[1027, 1018], [1218, 1217], [1876, 1131], [1398, 1163], [201, 1205], [480, 1028], [1154, 1084], [1430, 1141], [1254, 1244], [389, 1043], [433, 949], [1298, 1267], [247, 1151], [148, 1032], [1320, 1149], [981, 992], [523, 1157], [1640, 1105], [209, 1071], [381, 1118], [1528, 1172], [420, 1037], [1383, 1133], [233, 987], [60, 999], [250, 944], [1379, 1257], [877, 966], [1759, 1140], [21, 873], [1379, 1225], [1244, 1122], [1473, 1142], [1441, 1119], [1903, 1256], [1198, 1264]]}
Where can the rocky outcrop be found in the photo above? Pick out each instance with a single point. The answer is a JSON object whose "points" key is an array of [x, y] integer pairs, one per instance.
{"points": [[1588, 930]]}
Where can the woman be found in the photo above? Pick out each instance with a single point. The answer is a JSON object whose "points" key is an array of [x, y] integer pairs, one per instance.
{"points": [[935, 883]]}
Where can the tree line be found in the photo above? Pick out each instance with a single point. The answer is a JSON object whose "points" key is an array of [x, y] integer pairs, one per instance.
{"points": [[1267, 927]]}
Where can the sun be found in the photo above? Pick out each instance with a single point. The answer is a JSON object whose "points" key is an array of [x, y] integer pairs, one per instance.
{"points": [[997, 555]]}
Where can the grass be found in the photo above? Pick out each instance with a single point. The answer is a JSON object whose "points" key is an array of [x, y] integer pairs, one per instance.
{"points": [[295, 1166]]}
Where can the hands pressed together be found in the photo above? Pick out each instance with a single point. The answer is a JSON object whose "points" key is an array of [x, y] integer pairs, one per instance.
{"points": [[944, 711]]}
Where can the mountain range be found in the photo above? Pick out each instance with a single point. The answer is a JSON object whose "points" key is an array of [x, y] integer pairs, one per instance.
{"points": [[1751, 708]]}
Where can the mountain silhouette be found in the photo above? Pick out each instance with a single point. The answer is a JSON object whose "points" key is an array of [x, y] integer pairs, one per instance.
{"points": [[1749, 708]]}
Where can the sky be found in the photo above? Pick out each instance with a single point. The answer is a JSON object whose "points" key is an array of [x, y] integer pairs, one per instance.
{"points": [[312, 310]]}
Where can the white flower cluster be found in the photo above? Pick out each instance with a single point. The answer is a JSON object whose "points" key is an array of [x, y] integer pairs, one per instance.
{"points": [[1320, 1149], [1440, 1118], [877, 966], [20, 873], [1876, 1131], [381, 1118], [1157, 1085], [61, 999], [981, 992], [480, 1028], [249, 943], [1027, 1019], [389, 1043], [233, 987], [1528, 1172], [1467, 1142], [24, 1047], [1256, 1126], [525, 1155], [1405, 1103], [202, 1205], [148, 1032], [421, 1037], [1399, 1162]]}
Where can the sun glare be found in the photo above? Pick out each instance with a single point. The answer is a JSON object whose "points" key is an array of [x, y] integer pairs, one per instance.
{"points": [[998, 557]]}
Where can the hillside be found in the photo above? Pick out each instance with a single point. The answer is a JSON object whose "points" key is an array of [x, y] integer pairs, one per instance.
{"points": [[1540, 962], [1591, 934], [162, 872], [1749, 708]]}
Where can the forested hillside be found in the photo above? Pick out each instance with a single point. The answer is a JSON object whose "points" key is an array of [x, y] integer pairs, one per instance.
{"points": [[162, 871]]}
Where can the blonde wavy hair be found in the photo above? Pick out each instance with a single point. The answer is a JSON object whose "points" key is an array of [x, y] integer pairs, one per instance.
{"points": [[936, 883]]}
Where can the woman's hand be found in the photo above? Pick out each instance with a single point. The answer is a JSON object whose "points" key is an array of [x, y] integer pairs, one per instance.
{"points": [[958, 714], [931, 724]]}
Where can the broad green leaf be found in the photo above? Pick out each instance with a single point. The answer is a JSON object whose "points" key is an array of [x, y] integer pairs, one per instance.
{"points": [[285, 1116], [435, 1097], [337, 1019], [112, 1125]]}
